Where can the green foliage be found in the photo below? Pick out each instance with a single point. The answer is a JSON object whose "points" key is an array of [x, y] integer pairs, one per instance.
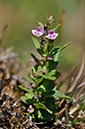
{"points": [[27, 79], [41, 24], [45, 98], [25, 89], [60, 95], [38, 46], [36, 59], [42, 106]]}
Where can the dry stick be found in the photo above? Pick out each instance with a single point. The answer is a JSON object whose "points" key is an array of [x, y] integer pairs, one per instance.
{"points": [[36, 127], [59, 113], [25, 122], [78, 76], [61, 102], [80, 91], [53, 127], [66, 92], [81, 85], [73, 110], [60, 28]]}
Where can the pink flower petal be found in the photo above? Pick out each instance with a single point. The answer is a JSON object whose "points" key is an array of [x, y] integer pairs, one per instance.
{"points": [[37, 33], [52, 36]]}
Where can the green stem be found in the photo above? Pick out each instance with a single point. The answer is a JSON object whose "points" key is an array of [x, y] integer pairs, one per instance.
{"points": [[47, 67], [47, 62], [46, 49]]}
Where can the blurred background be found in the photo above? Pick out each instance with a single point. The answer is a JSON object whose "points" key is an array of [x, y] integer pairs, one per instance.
{"points": [[21, 16]]}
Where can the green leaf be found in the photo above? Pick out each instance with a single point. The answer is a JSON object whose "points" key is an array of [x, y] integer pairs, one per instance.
{"points": [[48, 77], [56, 27], [32, 70], [23, 99], [29, 95], [39, 68], [27, 79], [41, 89], [25, 89], [28, 98], [41, 24], [61, 95], [33, 117], [64, 46], [52, 65], [50, 47], [45, 83], [52, 72], [55, 50], [45, 115], [38, 80], [57, 74], [36, 59], [42, 106], [40, 115], [56, 57], [38, 46], [28, 115], [36, 43]]}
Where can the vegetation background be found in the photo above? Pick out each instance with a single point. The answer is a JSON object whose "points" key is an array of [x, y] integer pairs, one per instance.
{"points": [[22, 16]]}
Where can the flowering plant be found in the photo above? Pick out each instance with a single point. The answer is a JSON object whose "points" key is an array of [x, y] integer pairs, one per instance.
{"points": [[42, 98]]}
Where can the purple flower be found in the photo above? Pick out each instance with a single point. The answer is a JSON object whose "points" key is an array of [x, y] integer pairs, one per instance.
{"points": [[38, 31], [33, 61], [42, 61], [45, 26], [42, 41], [51, 34], [50, 57], [30, 109], [43, 72]]}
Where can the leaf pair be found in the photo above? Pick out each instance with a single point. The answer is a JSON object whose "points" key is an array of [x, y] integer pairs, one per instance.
{"points": [[38, 46]]}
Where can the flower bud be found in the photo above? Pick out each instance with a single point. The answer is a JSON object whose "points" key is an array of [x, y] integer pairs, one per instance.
{"points": [[30, 109]]}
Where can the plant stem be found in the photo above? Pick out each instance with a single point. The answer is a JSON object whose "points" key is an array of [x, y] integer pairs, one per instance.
{"points": [[47, 62], [47, 65]]}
